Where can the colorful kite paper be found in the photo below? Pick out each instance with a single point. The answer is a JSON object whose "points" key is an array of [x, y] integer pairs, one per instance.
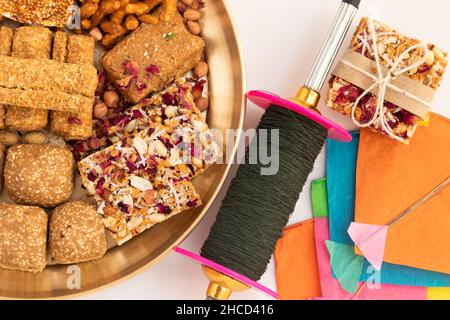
{"points": [[296, 266], [341, 168], [391, 177], [331, 288]]}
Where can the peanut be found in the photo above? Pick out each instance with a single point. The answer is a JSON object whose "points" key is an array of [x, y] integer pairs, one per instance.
{"points": [[201, 69], [111, 99], [194, 27], [100, 110], [192, 14]]}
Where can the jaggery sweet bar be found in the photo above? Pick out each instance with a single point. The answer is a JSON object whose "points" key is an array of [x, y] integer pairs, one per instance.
{"points": [[42, 12], [46, 85], [6, 39], [152, 55], [76, 49], [29, 43], [138, 182], [390, 44]]}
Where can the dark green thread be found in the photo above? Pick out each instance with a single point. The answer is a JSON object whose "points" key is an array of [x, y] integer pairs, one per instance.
{"points": [[257, 208]]}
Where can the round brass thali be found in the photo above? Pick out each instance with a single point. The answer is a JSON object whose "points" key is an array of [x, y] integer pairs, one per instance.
{"points": [[226, 90]]}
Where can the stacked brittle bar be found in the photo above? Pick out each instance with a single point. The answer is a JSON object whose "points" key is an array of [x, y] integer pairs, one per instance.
{"points": [[391, 46]]}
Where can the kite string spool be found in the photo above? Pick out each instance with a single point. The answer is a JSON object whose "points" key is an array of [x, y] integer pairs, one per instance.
{"points": [[257, 207]]}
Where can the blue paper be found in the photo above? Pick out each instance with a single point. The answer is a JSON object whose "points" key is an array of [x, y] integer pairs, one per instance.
{"points": [[341, 177]]}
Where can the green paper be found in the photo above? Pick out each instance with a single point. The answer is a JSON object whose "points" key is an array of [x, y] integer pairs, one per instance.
{"points": [[319, 198], [346, 265]]}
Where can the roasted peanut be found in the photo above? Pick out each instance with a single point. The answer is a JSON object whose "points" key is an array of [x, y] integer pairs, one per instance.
{"points": [[88, 8], [192, 14], [194, 27], [201, 69], [111, 99], [100, 110]]}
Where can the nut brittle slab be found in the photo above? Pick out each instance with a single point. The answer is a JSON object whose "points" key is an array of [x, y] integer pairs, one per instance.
{"points": [[138, 182], [391, 44]]}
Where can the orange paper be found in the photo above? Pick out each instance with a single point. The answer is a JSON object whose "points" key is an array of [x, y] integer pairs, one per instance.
{"points": [[297, 269], [391, 177]]}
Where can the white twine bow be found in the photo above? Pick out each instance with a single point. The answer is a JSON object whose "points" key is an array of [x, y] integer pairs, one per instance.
{"points": [[383, 81]]}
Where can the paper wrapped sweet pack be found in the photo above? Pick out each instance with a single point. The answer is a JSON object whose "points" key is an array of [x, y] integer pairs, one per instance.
{"points": [[386, 81]]}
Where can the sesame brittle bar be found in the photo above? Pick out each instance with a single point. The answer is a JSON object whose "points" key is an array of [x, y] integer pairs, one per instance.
{"points": [[138, 182], [46, 84], [390, 44]]}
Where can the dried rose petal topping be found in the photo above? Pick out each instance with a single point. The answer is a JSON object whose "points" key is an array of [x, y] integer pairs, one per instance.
{"points": [[348, 94], [74, 121], [407, 117], [99, 187], [192, 204], [92, 176], [163, 209], [140, 86], [169, 99], [130, 67], [126, 82], [153, 70], [198, 87]]}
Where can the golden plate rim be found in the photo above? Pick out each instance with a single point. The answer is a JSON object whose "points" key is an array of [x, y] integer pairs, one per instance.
{"points": [[67, 294]]}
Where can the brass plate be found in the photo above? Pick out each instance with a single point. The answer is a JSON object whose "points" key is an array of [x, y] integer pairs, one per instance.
{"points": [[227, 85]]}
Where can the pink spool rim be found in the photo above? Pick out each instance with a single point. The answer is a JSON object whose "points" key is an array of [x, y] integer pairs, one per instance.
{"points": [[265, 99], [237, 276]]}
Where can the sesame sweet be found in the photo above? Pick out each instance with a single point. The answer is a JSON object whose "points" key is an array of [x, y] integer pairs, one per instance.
{"points": [[23, 239], [39, 174], [42, 12], [47, 85], [77, 49], [138, 182], [29, 43], [152, 55], [76, 233], [391, 45]]}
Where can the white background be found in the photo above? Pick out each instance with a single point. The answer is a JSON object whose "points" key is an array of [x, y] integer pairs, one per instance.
{"points": [[280, 39]]}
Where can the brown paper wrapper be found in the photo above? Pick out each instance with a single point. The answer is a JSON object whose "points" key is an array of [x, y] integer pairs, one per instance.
{"points": [[413, 87]]}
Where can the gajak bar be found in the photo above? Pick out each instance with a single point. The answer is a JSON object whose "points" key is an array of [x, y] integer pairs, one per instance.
{"points": [[48, 13], [59, 52], [23, 240], [152, 55], [138, 182], [77, 49], [29, 43], [47, 85], [403, 116], [6, 39]]}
